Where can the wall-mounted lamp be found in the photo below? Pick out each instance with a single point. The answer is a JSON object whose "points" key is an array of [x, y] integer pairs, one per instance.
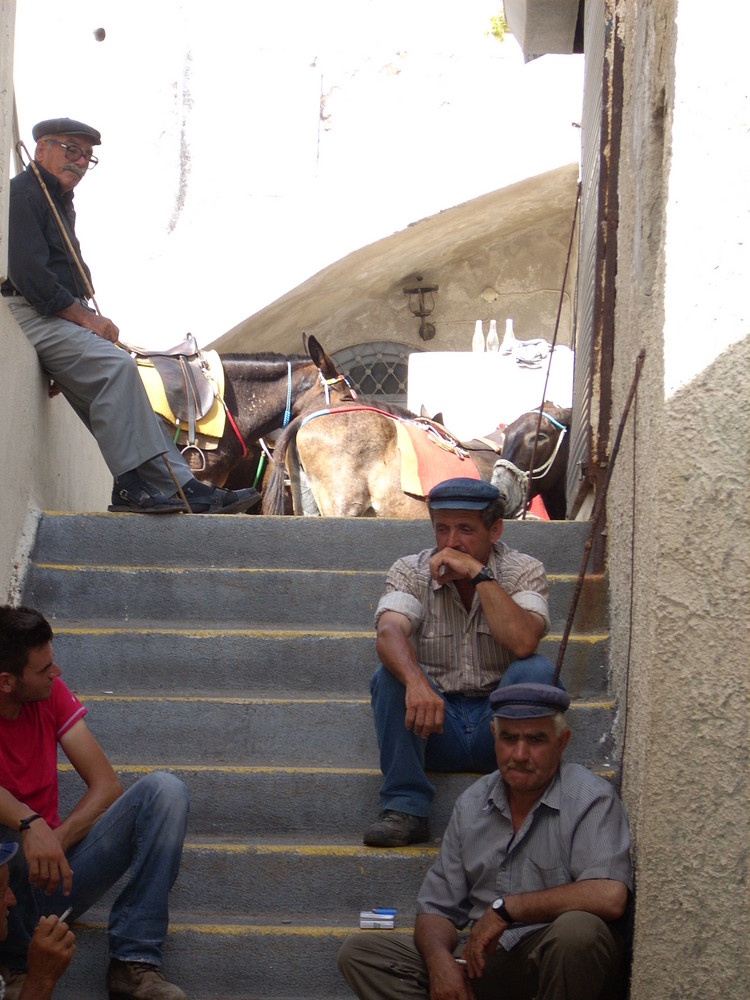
{"points": [[421, 304]]}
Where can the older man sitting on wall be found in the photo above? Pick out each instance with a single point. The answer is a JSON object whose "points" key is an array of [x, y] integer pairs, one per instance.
{"points": [[48, 293]]}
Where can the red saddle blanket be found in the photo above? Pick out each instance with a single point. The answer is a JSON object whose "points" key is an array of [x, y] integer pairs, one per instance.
{"points": [[427, 458]]}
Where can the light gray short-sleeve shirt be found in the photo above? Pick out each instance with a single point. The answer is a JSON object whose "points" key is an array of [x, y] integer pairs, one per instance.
{"points": [[578, 830], [455, 647]]}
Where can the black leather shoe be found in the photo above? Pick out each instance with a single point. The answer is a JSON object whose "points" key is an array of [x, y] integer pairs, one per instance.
{"points": [[224, 501], [143, 499], [397, 829]]}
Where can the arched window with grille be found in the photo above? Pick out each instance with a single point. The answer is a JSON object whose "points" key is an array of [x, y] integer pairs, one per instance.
{"points": [[377, 369]]}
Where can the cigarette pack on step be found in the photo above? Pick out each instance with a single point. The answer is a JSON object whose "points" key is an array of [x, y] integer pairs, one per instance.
{"points": [[378, 919]]}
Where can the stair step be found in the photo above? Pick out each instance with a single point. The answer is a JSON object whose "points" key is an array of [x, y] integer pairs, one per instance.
{"points": [[228, 958], [261, 878], [282, 542], [281, 731], [317, 599], [263, 661], [294, 801]]}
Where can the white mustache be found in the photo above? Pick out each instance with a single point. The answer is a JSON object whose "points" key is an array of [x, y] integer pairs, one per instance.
{"points": [[74, 168]]}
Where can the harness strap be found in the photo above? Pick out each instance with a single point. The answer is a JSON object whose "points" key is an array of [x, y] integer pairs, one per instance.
{"points": [[556, 423], [542, 471], [327, 383], [288, 410]]}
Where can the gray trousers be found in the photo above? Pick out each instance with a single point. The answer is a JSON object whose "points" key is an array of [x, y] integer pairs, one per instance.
{"points": [[576, 957], [102, 384]]}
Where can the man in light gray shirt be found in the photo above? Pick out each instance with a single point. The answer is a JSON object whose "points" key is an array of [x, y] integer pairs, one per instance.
{"points": [[535, 860]]}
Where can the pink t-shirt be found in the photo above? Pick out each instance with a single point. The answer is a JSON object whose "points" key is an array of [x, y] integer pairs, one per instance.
{"points": [[28, 749]]}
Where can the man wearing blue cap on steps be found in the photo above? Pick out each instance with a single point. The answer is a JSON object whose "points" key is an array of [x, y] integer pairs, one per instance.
{"points": [[450, 622], [535, 861], [49, 299], [51, 947]]}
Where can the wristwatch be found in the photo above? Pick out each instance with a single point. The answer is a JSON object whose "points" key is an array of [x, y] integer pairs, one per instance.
{"points": [[498, 905], [484, 574]]}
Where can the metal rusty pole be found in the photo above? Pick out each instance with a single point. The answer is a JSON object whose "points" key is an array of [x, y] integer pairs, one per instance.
{"points": [[597, 514]]}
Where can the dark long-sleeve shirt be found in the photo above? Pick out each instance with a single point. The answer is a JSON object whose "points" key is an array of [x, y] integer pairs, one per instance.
{"points": [[39, 265]]}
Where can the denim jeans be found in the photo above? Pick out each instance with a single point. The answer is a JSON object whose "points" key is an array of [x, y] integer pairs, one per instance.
{"points": [[142, 831], [466, 744]]}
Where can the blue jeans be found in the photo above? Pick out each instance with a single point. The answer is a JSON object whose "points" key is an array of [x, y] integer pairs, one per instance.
{"points": [[142, 831], [466, 744]]}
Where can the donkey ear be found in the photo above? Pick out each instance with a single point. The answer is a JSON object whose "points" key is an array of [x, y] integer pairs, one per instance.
{"points": [[321, 359]]}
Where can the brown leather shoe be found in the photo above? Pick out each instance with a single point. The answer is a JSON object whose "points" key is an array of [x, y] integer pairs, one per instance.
{"points": [[139, 981]]}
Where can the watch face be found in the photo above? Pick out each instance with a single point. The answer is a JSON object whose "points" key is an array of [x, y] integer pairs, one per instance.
{"points": [[498, 904]]}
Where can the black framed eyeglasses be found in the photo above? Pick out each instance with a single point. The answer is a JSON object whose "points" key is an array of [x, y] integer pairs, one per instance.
{"points": [[74, 152]]}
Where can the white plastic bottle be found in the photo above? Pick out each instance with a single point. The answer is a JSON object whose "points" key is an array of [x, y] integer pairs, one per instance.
{"points": [[477, 341], [493, 342], [509, 340]]}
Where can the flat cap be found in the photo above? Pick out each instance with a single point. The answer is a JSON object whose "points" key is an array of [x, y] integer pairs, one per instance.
{"points": [[66, 126], [462, 494], [528, 691], [8, 851]]}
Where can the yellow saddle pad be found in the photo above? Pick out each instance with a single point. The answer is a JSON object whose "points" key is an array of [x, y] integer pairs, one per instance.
{"points": [[209, 428]]}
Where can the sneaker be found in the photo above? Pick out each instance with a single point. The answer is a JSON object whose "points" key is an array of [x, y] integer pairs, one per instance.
{"points": [[139, 980], [14, 980], [142, 499], [220, 501], [397, 829]]}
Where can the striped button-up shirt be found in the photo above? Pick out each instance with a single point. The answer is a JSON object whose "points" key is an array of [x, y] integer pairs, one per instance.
{"points": [[455, 647], [577, 830]]}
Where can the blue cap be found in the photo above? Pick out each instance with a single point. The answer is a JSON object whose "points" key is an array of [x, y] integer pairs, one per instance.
{"points": [[8, 851], [528, 691], [462, 494], [66, 126]]}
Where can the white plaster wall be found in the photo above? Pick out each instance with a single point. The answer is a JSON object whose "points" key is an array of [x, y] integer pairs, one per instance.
{"points": [[257, 143], [49, 458], [50, 462], [678, 510]]}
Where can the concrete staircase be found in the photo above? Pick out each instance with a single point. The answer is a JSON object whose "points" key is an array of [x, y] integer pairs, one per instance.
{"points": [[236, 652]]}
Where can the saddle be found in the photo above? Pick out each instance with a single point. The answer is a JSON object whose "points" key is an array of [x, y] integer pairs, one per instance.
{"points": [[185, 387], [429, 455]]}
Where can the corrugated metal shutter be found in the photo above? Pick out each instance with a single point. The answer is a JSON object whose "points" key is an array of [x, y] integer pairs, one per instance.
{"points": [[584, 399]]}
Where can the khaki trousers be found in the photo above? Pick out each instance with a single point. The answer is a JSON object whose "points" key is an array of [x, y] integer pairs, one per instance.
{"points": [[576, 957]]}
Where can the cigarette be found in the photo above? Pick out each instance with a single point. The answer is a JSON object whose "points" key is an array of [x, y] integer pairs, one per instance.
{"points": [[460, 961], [65, 915], [443, 570]]}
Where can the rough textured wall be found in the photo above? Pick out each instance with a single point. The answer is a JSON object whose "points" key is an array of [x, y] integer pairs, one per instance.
{"points": [[678, 511]]}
